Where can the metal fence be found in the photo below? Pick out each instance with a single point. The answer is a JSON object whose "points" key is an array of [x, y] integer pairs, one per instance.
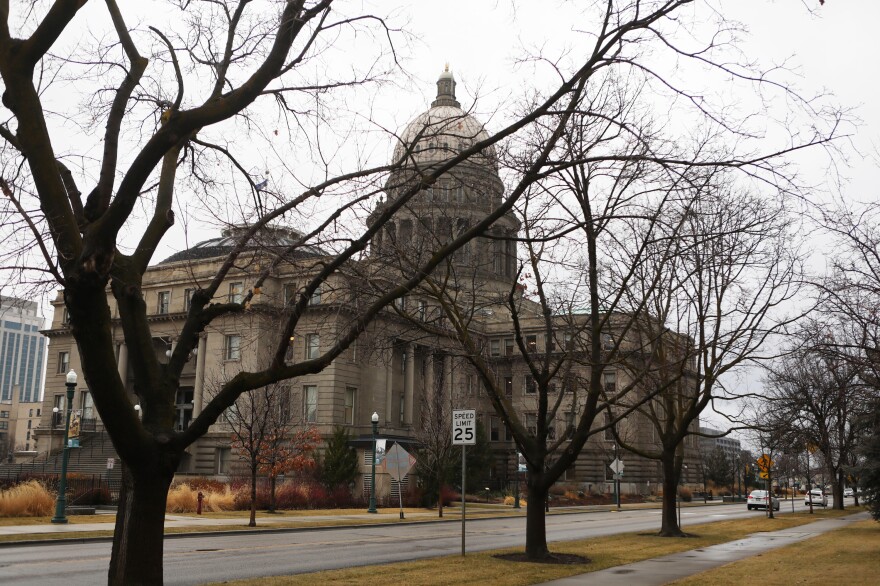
{"points": [[82, 489]]}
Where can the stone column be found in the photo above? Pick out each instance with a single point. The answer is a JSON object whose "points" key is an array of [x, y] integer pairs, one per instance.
{"points": [[199, 388], [389, 387], [409, 383], [122, 363]]}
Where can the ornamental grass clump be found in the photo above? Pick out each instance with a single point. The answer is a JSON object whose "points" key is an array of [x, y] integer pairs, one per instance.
{"points": [[28, 499], [183, 498]]}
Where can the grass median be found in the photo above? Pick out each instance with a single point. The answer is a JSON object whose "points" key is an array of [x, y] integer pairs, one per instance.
{"points": [[850, 555], [482, 568]]}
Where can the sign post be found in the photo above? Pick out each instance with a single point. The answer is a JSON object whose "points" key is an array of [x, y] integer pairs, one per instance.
{"points": [[464, 433], [398, 462]]}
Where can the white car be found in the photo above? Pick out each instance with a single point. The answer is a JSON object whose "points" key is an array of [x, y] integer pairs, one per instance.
{"points": [[817, 497], [847, 492], [759, 499]]}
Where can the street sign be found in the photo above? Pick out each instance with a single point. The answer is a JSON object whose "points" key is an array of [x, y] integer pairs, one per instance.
{"points": [[764, 475], [110, 463], [764, 462], [464, 427], [398, 462], [617, 466]]}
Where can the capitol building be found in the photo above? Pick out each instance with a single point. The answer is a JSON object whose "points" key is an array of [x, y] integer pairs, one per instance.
{"points": [[408, 358]]}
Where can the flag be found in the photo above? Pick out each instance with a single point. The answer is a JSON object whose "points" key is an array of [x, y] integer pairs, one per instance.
{"points": [[261, 185]]}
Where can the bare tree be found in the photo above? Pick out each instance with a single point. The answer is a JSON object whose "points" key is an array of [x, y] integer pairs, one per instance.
{"points": [[265, 439], [167, 135], [819, 393]]}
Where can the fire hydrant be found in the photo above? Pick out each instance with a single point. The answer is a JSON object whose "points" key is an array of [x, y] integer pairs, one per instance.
{"points": [[201, 497]]}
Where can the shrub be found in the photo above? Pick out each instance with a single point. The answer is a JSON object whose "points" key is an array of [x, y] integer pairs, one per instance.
{"points": [[557, 490], [685, 494], [28, 499], [204, 484], [182, 498], [448, 495], [92, 496], [509, 500]]}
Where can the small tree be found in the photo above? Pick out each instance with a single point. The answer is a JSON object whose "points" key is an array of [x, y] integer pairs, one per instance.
{"points": [[262, 437], [340, 464]]}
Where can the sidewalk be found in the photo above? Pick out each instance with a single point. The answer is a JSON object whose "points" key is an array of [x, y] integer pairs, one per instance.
{"points": [[183, 521], [663, 570]]}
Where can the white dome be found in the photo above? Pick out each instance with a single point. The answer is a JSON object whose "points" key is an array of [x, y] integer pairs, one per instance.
{"points": [[443, 131], [440, 133]]}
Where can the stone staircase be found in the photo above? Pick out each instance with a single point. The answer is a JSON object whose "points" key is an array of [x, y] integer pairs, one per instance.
{"points": [[90, 459]]}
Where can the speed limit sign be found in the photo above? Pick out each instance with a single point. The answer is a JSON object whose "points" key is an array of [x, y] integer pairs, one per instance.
{"points": [[464, 427]]}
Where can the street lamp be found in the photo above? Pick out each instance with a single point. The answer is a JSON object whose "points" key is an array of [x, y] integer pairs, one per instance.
{"points": [[372, 509], [61, 502], [52, 432]]}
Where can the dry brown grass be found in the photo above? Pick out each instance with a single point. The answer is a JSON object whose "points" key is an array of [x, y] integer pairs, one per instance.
{"points": [[184, 499], [604, 552], [28, 499], [848, 556]]}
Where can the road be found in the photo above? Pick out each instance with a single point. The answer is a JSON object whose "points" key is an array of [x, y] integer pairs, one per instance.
{"points": [[213, 557]]}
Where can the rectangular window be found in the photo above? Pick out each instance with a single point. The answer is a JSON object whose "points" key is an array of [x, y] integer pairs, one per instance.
{"points": [[470, 385], [551, 342], [423, 310], [30, 412], [58, 410], [608, 434], [508, 347], [494, 429], [4, 414], [232, 347], [495, 347], [508, 386], [313, 346], [236, 292], [609, 380], [222, 458], [568, 340], [38, 412], [315, 299], [607, 342], [289, 294], [532, 344], [532, 423], [400, 303], [401, 411], [310, 393], [348, 415], [531, 385], [569, 425], [30, 424], [4, 425], [63, 362], [163, 302], [187, 298]]}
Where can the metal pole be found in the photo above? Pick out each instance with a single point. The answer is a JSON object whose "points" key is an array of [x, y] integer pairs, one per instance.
{"points": [[61, 502], [616, 480], [463, 502], [372, 508], [516, 481]]}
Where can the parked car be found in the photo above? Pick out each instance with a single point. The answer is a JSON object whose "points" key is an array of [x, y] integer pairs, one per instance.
{"points": [[847, 492], [817, 497], [759, 499]]}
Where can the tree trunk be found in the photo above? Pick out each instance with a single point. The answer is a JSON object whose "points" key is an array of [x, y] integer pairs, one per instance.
{"points": [[536, 528], [136, 556], [272, 479], [253, 520], [669, 520], [837, 488]]}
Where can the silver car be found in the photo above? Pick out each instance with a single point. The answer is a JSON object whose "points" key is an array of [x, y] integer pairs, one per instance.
{"points": [[760, 499], [816, 497]]}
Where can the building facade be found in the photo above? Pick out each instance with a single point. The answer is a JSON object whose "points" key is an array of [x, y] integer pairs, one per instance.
{"points": [[406, 362], [22, 350]]}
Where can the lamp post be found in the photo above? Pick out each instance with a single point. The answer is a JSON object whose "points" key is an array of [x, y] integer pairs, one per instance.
{"points": [[372, 509], [52, 433], [61, 503]]}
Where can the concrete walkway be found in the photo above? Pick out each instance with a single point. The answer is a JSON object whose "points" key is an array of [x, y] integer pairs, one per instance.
{"points": [[669, 568], [184, 521]]}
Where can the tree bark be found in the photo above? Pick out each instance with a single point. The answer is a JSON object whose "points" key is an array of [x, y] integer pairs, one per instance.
{"points": [[669, 520], [837, 488], [536, 526], [253, 519], [136, 556]]}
